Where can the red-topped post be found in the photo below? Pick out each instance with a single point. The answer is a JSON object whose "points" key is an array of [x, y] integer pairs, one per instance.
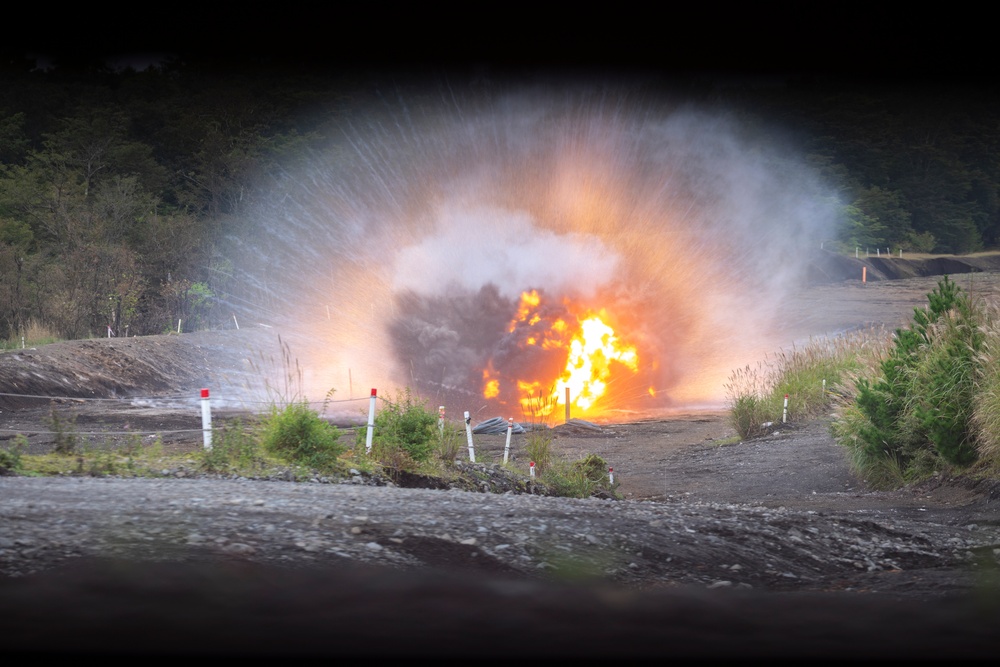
{"points": [[206, 420], [371, 423]]}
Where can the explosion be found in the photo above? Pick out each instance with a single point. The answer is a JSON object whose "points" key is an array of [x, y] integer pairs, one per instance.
{"points": [[493, 250], [591, 353]]}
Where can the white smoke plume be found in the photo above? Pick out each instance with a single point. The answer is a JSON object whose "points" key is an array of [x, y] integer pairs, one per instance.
{"points": [[401, 247]]}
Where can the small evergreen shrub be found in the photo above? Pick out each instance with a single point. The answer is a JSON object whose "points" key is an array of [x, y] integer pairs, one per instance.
{"points": [[297, 434], [234, 449], [10, 456], [912, 413], [404, 423], [579, 479]]}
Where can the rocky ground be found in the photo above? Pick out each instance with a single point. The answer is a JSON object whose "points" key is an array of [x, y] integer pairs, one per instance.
{"points": [[721, 548]]}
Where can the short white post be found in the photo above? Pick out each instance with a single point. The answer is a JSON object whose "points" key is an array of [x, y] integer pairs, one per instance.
{"points": [[784, 413], [878, 252], [506, 447], [611, 475], [371, 423], [468, 435], [531, 467], [441, 419], [824, 386], [178, 326], [22, 342], [109, 331], [206, 420], [855, 252]]}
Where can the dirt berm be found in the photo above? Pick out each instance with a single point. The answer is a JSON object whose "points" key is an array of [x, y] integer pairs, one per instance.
{"points": [[829, 267]]}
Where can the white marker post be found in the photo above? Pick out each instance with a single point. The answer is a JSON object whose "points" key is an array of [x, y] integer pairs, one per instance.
{"points": [[531, 467], [784, 412], [441, 419], [611, 476], [371, 423], [468, 435], [206, 420], [510, 429]]}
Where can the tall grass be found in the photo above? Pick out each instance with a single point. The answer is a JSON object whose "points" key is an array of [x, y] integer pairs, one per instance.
{"points": [[811, 376], [986, 399], [404, 424], [34, 334], [538, 442]]}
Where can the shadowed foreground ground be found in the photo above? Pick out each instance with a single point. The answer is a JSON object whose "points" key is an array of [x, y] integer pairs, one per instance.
{"points": [[127, 610]]}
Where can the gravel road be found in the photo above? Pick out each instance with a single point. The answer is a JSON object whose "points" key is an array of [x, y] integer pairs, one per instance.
{"points": [[197, 566]]}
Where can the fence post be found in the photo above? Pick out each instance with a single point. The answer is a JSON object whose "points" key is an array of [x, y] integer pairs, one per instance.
{"points": [[371, 423], [468, 435], [510, 429], [206, 420]]}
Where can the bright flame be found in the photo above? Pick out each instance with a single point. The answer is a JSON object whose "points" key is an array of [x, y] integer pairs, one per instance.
{"points": [[491, 385], [529, 300], [585, 349], [588, 367]]}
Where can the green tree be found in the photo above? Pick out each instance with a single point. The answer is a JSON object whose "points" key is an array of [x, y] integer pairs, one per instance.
{"points": [[857, 229], [923, 396], [886, 209]]}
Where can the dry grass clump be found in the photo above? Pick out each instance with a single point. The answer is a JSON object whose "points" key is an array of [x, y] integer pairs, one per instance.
{"points": [[34, 334], [986, 400], [812, 376]]}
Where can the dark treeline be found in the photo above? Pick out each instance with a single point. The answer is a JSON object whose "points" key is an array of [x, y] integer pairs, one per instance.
{"points": [[119, 188], [914, 162]]}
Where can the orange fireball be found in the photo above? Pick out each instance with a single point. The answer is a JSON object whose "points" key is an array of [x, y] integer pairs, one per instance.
{"points": [[575, 349]]}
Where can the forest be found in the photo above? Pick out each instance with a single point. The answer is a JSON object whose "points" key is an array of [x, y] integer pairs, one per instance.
{"points": [[122, 189]]}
